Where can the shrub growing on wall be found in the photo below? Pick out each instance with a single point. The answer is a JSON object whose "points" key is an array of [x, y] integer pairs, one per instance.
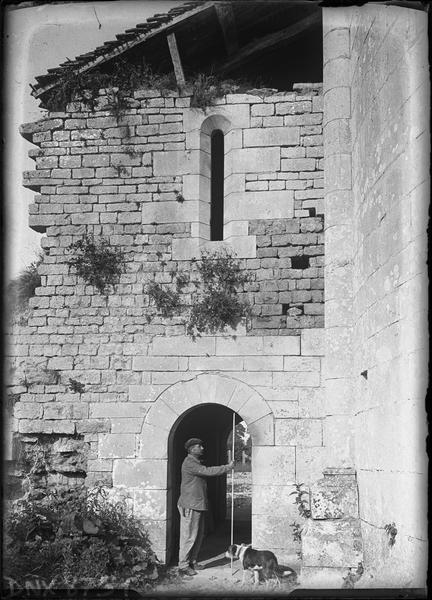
{"points": [[97, 262], [215, 303]]}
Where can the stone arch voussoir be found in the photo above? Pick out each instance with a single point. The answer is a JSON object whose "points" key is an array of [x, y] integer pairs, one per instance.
{"points": [[203, 389]]}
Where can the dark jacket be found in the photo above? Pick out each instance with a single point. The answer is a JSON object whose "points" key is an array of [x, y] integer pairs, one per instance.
{"points": [[193, 489]]}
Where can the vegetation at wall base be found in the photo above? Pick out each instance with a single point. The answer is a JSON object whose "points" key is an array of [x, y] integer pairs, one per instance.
{"points": [[76, 538], [97, 262]]}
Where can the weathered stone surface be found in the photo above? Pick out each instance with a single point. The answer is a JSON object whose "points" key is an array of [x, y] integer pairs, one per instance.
{"points": [[270, 532], [298, 432], [325, 578], [152, 442], [262, 431], [150, 504], [335, 497], [274, 500], [271, 464], [332, 543], [140, 473], [312, 342], [117, 445]]}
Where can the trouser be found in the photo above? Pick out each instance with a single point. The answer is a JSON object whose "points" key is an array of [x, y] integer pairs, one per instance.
{"points": [[191, 535]]}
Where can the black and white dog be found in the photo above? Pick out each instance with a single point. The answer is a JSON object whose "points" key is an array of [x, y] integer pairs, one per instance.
{"points": [[257, 561]]}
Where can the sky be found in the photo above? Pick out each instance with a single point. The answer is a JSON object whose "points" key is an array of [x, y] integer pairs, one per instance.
{"points": [[36, 39]]}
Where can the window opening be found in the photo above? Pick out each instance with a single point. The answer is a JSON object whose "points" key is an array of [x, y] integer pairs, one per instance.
{"points": [[217, 185]]}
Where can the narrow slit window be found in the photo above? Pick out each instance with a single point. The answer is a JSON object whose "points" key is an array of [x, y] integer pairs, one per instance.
{"points": [[217, 186]]}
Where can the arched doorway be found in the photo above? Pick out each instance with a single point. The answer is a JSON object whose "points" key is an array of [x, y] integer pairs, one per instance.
{"points": [[154, 470], [213, 424]]}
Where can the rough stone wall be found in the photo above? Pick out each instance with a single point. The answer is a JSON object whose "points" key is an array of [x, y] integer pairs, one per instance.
{"points": [[142, 183], [377, 66]]}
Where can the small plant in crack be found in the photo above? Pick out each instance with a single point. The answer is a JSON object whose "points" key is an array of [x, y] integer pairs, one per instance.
{"points": [[23, 381], [179, 197], [131, 152], [297, 531], [353, 576], [121, 170], [97, 262], [303, 504], [76, 386], [52, 375], [391, 531]]}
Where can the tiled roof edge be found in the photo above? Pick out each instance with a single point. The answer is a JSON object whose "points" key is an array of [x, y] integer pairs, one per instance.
{"points": [[125, 41]]}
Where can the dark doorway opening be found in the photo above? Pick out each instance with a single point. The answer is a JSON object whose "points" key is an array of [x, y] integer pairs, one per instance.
{"points": [[217, 185], [213, 424]]}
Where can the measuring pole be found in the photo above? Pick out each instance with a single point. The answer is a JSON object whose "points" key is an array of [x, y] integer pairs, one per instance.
{"points": [[232, 490]]}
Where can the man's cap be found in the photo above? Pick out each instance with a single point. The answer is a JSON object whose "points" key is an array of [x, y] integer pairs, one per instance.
{"points": [[192, 442]]}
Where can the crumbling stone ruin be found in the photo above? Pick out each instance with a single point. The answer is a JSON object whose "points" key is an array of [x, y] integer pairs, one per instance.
{"points": [[322, 195]]}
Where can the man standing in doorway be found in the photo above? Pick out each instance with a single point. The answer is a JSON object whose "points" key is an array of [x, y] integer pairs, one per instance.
{"points": [[193, 503]]}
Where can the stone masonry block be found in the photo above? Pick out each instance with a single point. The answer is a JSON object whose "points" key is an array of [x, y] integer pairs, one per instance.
{"points": [[309, 464], [150, 504], [300, 363], [298, 432], [140, 473], [275, 499], [242, 345], [271, 532], [298, 164], [335, 497], [170, 212], [117, 445], [262, 431], [253, 160], [145, 392], [175, 163], [61, 363], [119, 409], [126, 425], [284, 409], [27, 410], [260, 205], [152, 442], [337, 104], [312, 342], [272, 136], [96, 160], [255, 408], [184, 346], [155, 363], [273, 464], [336, 44], [296, 379], [282, 345], [311, 403]]}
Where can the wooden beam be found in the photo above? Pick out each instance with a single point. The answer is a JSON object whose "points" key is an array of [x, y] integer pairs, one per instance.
{"points": [[268, 41], [225, 15], [175, 57]]}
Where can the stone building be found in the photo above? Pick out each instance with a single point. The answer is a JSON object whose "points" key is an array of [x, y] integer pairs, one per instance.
{"points": [[330, 382]]}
